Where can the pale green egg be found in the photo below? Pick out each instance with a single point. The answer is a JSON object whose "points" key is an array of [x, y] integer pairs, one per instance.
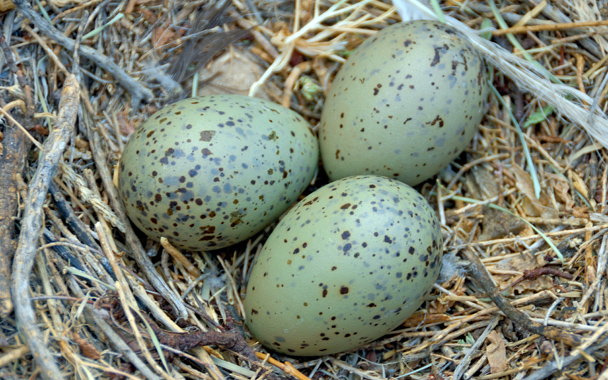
{"points": [[404, 104], [348, 264], [212, 171]]}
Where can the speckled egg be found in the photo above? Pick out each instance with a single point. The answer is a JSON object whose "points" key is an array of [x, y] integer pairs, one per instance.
{"points": [[404, 104], [348, 264], [209, 172]]}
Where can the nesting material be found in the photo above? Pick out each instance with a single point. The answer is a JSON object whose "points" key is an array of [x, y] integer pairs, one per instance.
{"points": [[523, 293]]}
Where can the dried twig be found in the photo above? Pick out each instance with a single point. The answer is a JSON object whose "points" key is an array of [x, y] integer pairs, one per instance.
{"points": [[535, 273], [31, 227], [550, 368], [479, 273], [464, 363], [15, 148], [227, 337], [549, 27], [137, 249], [138, 91]]}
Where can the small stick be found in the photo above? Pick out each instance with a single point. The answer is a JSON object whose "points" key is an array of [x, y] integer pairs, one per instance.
{"points": [[549, 27], [177, 255], [47, 49], [32, 227], [536, 273], [464, 362], [13, 156], [124, 292], [138, 92], [479, 273], [549, 369], [286, 367], [21, 128], [77, 226], [137, 250]]}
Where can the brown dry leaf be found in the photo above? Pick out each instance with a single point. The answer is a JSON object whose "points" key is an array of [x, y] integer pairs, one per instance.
{"points": [[86, 348], [561, 188], [486, 182], [148, 15], [497, 224], [537, 285], [6, 5], [127, 123], [160, 36], [532, 206], [422, 317], [578, 184], [496, 352], [525, 261], [522, 263], [233, 72], [581, 212]]}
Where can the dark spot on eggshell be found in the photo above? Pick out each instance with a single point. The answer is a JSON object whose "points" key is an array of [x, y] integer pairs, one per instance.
{"points": [[206, 135]]}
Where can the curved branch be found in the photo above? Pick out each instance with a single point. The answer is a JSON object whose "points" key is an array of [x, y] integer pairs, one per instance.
{"points": [[480, 275], [13, 156], [31, 229]]}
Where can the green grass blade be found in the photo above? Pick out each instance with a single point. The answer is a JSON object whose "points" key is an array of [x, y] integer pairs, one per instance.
{"points": [[522, 139]]}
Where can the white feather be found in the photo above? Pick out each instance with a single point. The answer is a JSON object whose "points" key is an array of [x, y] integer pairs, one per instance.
{"points": [[410, 12]]}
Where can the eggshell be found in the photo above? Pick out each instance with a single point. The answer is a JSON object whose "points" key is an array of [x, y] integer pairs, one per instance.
{"points": [[404, 104], [211, 171], [346, 265]]}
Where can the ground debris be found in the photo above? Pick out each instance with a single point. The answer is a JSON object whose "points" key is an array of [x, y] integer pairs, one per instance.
{"points": [[509, 307]]}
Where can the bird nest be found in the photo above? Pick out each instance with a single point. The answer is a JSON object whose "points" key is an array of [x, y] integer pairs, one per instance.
{"points": [[522, 294]]}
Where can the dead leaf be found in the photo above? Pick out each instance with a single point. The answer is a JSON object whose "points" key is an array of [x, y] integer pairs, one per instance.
{"points": [[86, 348], [521, 263], [532, 206], [496, 352], [128, 123], [233, 72], [525, 261], [148, 15], [578, 184], [580, 212], [160, 36], [486, 182], [497, 224], [562, 192]]}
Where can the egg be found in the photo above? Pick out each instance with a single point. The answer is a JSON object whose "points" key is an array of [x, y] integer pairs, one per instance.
{"points": [[404, 104], [346, 265], [208, 172]]}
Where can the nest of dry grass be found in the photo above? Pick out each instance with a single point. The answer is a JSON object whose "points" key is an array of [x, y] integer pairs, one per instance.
{"points": [[523, 292]]}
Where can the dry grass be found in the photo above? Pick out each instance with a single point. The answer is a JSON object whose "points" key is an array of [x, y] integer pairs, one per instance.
{"points": [[288, 52]]}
